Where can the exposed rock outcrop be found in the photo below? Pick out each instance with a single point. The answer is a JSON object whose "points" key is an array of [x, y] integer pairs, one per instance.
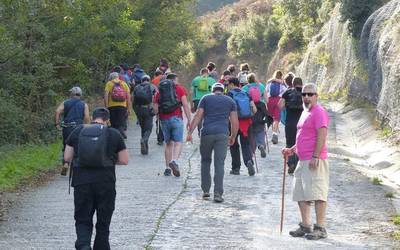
{"points": [[372, 73]]}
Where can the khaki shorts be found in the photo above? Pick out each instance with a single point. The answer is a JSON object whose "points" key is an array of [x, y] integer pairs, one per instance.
{"points": [[311, 185]]}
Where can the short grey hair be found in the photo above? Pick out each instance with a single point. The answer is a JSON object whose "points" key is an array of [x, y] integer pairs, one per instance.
{"points": [[113, 76], [310, 86]]}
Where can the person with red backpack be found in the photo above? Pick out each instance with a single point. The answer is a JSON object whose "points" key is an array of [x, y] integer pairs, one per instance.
{"points": [[256, 92], [117, 100], [273, 92]]}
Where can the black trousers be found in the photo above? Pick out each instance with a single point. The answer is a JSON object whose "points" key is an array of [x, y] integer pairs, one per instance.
{"points": [[290, 132], [235, 151], [88, 198], [145, 119], [118, 117]]}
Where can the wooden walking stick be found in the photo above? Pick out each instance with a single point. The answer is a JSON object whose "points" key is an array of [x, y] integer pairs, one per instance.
{"points": [[283, 191]]}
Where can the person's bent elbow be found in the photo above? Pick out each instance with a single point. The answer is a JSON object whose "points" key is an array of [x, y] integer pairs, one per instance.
{"points": [[123, 157]]}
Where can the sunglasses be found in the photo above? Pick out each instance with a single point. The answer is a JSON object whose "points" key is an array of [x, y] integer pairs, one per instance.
{"points": [[308, 94]]}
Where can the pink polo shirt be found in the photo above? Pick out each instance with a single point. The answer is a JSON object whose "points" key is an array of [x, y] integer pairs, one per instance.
{"points": [[307, 132]]}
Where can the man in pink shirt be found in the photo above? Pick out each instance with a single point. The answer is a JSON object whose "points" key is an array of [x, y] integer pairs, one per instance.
{"points": [[311, 177]]}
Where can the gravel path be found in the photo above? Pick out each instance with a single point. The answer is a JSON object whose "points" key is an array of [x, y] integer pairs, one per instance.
{"points": [[168, 213]]}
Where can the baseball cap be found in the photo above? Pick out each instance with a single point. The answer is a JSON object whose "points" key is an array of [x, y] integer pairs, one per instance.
{"points": [[76, 91], [145, 78], [102, 113], [217, 85]]}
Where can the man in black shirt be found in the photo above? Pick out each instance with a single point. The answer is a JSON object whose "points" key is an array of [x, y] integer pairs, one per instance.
{"points": [[293, 102], [94, 150]]}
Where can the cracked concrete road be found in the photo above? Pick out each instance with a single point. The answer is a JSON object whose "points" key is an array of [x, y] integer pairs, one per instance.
{"points": [[160, 212]]}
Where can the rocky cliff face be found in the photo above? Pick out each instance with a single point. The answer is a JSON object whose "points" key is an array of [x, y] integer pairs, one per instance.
{"points": [[368, 69]]}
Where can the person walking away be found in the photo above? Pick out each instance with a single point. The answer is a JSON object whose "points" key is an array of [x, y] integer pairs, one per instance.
{"points": [[216, 110], [273, 92], [212, 70], [225, 80], [143, 106], [246, 109], [75, 112], [94, 150], [164, 66], [242, 75], [201, 86], [168, 102], [232, 69], [118, 102], [158, 76], [126, 77], [138, 73], [311, 177], [292, 101], [287, 81], [256, 91]]}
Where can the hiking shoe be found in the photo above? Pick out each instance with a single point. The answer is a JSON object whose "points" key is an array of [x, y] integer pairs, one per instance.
{"points": [[235, 172], [175, 169], [250, 167], [206, 196], [218, 198], [291, 168], [318, 233], [262, 151], [301, 231], [274, 139], [142, 147], [167, 172]]}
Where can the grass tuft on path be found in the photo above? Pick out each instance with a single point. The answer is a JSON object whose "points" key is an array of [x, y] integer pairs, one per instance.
{"points": [[21, 163]]}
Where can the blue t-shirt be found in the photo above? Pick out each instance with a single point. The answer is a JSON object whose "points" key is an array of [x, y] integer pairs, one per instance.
{"points": [[217, 108]]}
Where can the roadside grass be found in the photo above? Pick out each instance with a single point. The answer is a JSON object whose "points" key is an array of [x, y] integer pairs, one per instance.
{"points": [[21, 163], [396, 235], [396, 220], [390, 195], [376, 181]]}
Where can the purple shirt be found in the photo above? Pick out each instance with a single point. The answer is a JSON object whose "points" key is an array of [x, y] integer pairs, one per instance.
{"points": [[307, 132]]}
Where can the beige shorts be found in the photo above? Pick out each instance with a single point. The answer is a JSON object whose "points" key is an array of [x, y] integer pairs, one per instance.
{"points": [[311, 185]]}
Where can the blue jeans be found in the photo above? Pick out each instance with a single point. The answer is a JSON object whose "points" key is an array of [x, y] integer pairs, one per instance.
{"points": [[172, 129]]}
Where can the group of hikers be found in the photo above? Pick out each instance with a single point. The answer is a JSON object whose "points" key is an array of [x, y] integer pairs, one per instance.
{"points": [[233, 110]]}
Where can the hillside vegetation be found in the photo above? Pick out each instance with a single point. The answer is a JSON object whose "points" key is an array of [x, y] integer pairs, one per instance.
{"points": [[49, 46]]}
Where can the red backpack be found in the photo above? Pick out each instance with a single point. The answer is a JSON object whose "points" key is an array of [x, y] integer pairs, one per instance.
{"points": [[118, 93], [254, 92]]}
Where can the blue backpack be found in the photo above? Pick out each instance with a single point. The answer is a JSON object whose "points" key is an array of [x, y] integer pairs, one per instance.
{"points": [[274, 89], [242, 100]]}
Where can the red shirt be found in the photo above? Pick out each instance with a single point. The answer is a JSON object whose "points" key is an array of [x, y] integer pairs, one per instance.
{"points": [[180, 92]]}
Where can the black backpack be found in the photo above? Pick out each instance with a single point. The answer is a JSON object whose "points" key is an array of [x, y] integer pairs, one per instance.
{"points": [[92, 147], [168, 101], [142, 94], [295, 100]]}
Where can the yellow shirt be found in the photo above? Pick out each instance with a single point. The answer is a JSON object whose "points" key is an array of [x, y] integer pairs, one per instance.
{"points": [[108, 88]]}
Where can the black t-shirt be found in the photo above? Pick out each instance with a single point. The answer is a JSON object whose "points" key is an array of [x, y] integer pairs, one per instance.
{"points": [[292, 115], [82, 175]]}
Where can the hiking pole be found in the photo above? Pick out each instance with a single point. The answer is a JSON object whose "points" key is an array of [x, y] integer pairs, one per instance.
{"points": [[266, 137], [283, 191]]}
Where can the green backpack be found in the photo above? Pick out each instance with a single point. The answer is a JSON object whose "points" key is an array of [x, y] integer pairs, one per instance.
{"points": [[203, 84]]}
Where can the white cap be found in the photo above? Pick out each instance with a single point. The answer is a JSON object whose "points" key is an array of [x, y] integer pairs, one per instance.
{"points": [[218, 85], [76, 91]]}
